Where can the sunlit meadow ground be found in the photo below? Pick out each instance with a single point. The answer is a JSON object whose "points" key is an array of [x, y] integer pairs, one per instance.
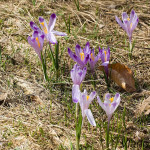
{"points": [[35, 115]]}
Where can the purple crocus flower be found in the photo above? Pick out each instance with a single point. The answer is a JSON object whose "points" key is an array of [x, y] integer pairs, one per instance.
{"points": [[110, 104], [93, 59], [84, 101], [128, 24], [78, 74], [105, 56], [48, 29], [36, 41], [81, 56]]}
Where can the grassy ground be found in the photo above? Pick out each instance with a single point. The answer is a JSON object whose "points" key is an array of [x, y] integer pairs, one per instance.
{"points": [[35, 115]]}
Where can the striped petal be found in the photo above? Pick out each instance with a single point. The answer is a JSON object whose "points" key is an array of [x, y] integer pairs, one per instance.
{"points": [[90, 117], [52, 22]]}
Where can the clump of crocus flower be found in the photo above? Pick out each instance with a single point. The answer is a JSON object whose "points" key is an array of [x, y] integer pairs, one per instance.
{"points": [[105, 56], [47, 30], [81, 56], [128, 24], [84, 100], [37, 39]]}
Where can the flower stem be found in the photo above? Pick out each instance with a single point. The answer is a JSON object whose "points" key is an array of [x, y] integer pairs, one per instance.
{"points": [[107, 137], [77, 137], [76, 111], [130, 50], [51, 54], [43, 61], [107, 134], [93, 78]]}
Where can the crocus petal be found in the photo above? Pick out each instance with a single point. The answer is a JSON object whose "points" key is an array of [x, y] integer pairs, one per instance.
{"points": [[119, 22], [35, 34], [87, 48], [107, 96], [83, 74], [90, 117], [92, 65], [51, 38], [52, 22], [113, 107], [117, 97], [91, 96], [74, 75], [100, 103], [115, 103], [71, 54], [108, 53], [132, 14], [124, 16], [34, 26], [98, 57], [86, 59], [42, 37], [127, 27], [43, 25], [83, 105], [84, 92], [83, 102], [32, 42], [78, 50], [105, 63], [134, 24], [59, 33], [76, 93]]}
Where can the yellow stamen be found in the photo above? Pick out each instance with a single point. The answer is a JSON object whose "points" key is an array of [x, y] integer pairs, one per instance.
{"points": [[131, 25], [37, 39], [111, 99], [92, 57], [82, 56], [44, 27], [128, 19], [87, 97], [109, 105], [105, 55]]}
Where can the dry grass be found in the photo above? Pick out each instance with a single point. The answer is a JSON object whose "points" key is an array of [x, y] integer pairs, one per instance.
{"points": [[27, 118]]}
